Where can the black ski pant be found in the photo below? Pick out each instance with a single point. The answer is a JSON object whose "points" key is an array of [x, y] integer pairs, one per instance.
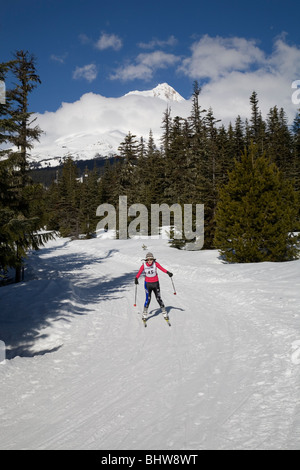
{"points": [[153, 287]]}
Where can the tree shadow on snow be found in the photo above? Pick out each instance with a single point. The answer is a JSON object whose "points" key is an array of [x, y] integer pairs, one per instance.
{"points": [[60, 293]]}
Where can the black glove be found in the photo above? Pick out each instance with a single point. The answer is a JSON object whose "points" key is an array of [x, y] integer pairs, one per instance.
{"points": [[136, 281], [169, 274]]}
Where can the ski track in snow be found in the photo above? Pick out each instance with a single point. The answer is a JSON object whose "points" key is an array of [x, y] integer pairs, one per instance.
{"points": [[82, 372]]}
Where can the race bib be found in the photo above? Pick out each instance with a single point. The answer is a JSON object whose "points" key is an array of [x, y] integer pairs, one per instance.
{"points": [[150, 271]]}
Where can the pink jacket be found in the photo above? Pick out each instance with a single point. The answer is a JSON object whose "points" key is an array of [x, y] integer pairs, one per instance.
{"points": [[154, 276]]}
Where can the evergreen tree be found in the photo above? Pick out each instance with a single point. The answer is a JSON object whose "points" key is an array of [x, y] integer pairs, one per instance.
{"points": [[66, 206], [279, 141], [141, 149], [151, 149], [129, 153], [211, 171], [108, 185], [166, 126], [154, 174], [197, 122], [88, 202], [197, 148], [7, 245], [20, 227], [176, 163], [239, 140], [256, 212], [257, 125], [115, 188], [24, 134], [225, 151]]}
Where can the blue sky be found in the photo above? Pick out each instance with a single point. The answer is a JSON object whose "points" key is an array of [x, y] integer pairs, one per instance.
{"points": [[112, 47]]}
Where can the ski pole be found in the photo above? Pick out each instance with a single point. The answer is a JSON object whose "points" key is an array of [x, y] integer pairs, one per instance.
{"points": [[135, 296], [173, 286]]}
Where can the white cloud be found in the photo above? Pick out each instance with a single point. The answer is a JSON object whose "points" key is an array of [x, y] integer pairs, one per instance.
{"points": [[107, 41], [285, 59], [216, 57], [232, 68], [132, 72], [87, 72], [157, 59], [59, 58], [171, 41], [84, 39], [145, 66], [229, 95]]}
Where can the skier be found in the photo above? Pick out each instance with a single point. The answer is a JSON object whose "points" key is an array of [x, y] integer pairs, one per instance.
{"points": [[152, 283]]}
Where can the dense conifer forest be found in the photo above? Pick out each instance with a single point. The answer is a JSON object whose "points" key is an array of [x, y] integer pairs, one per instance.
{"points": [[245, 174]]}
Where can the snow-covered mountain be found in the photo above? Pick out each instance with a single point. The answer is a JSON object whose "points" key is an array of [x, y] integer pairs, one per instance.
{"points": [[95, 125], [162, 91]]}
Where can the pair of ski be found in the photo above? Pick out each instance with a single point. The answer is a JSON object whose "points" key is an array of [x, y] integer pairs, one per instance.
{"points": [[144, 320]]}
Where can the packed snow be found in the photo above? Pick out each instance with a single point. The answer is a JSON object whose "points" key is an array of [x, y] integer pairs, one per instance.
{"points": [[82, 372]]}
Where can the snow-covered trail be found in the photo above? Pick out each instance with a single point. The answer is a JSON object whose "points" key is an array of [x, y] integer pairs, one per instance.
{"points": [[83, 373]]}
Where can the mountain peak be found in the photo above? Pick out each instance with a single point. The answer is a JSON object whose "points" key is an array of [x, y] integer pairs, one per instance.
{"points": [[162, 91]]}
